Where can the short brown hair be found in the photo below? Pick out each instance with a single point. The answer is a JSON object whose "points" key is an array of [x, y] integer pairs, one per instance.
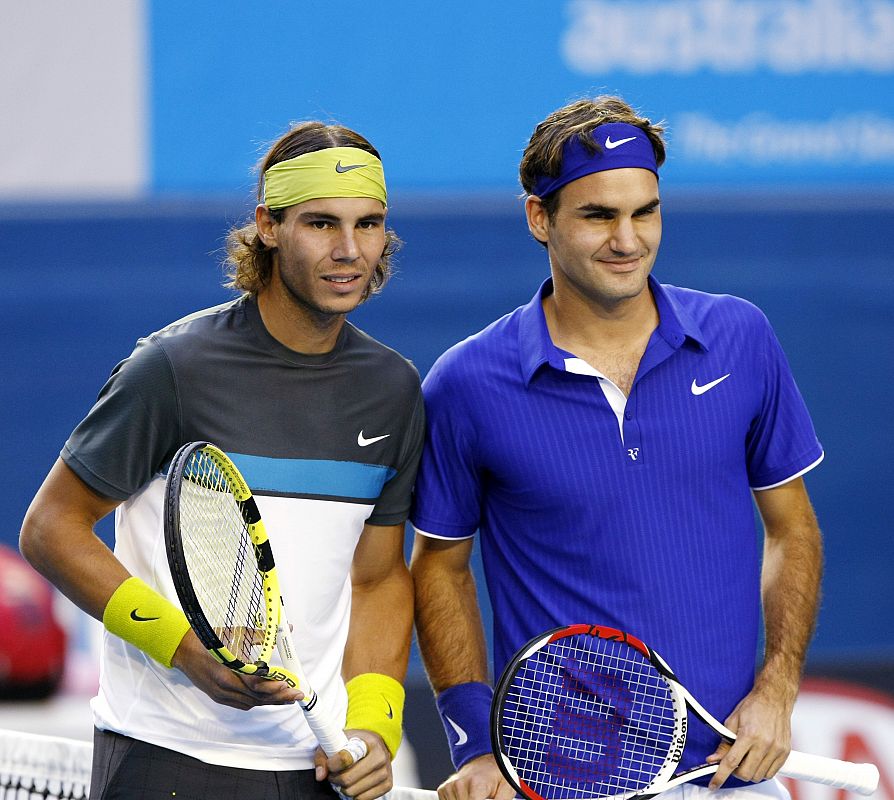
{"points": [[543, 154], [249, 262]]}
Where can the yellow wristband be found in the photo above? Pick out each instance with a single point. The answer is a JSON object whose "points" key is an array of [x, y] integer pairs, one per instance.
{"points": [[140, 615], [376, 703]]}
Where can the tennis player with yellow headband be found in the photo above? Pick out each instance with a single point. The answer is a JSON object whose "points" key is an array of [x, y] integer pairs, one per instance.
{"points": [[327, 426]]}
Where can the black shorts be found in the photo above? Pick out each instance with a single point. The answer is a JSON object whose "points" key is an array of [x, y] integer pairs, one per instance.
{"points": [[129, 769]]}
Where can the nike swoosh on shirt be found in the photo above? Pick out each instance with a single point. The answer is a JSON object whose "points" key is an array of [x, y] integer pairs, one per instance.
{"points": [[610, 145], [364, 442], [462, 736], [696, 389]]}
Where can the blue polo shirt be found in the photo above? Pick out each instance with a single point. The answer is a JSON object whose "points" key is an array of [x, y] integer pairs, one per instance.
{"points": [[636, 515]]}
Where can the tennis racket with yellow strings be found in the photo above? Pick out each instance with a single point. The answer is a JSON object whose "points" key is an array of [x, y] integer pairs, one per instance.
{"points": [[225, 576]]}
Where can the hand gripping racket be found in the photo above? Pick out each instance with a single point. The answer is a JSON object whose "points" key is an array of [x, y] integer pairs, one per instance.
{"points": [[592, 712], [225, 576]]}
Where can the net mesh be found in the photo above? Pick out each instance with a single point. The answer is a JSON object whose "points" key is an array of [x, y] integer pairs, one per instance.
{"points": [[586, 717], [44, 767], [36, 767], [220, 558]]}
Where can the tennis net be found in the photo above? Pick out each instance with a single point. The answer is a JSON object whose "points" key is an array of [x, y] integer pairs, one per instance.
{"points": [[44, 767], [35, 767]]}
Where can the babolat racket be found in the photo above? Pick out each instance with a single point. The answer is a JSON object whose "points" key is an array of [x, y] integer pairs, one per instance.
{"points": [[225, 576], [592, 712]]}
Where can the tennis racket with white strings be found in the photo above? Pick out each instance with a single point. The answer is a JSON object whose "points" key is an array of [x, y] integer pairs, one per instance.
{"points": [[592, 712], [225, 576]]}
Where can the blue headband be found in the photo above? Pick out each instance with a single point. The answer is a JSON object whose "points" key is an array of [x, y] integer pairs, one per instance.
{"points": [[620, 145]]}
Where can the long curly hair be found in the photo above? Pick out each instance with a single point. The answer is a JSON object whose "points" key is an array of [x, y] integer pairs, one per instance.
{"points": [[249, 262]]}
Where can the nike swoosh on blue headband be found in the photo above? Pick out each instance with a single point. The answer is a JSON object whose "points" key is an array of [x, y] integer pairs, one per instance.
{"points": [[618, 146]]}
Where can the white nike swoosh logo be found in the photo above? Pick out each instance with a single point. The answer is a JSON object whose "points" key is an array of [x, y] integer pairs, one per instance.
{"points": [[610, 145], [364, 442], [461, 736], [696, 389]]}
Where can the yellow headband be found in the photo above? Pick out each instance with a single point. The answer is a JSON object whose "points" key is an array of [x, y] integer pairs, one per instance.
{"points": [[333, 172]]}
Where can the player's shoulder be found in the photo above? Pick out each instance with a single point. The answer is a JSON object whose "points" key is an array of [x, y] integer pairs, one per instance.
{"points": [[474, 376], [711, 311], [156, 358], [493, 344], [202, 323], [186, 342], [392, 367]]}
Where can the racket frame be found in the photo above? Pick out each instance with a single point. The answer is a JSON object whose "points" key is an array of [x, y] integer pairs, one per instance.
{"points": [[861, 778], [276, 629], [675, 750], [263, 555]]}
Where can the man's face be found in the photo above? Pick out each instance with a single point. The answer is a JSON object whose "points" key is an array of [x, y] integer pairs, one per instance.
{"points": [[327, 251], [603, 238]]}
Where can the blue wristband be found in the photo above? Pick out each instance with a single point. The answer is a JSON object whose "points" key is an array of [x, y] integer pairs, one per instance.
{"points": [[465, 713]]}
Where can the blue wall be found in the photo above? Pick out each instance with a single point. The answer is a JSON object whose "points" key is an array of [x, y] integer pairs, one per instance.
{"points": [[83, 283]]}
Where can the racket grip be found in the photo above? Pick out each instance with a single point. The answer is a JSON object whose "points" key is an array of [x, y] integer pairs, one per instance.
{"points": [[860, 778], [331, 737]]}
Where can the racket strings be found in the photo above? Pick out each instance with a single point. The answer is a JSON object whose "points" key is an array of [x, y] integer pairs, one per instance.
{"points": [[220, 558], [587, 717]]}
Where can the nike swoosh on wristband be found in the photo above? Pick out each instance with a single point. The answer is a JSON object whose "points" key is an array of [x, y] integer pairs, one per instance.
{"points": [[137, 618], [462, 736], [610, 145], [390, 712], [348, 167], [364, 442], [697, 390]]}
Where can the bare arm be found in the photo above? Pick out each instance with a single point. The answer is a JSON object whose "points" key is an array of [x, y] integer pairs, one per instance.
{"points": [[448, 620], [59, 541], [453, 648], [378, 641], [790, 586], [381, 605]]}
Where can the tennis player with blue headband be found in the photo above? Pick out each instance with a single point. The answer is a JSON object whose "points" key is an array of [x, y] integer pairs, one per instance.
{"points": [[608, 442], [614, 145]]}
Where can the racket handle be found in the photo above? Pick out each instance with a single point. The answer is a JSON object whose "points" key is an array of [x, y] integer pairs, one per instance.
{"points": [[860, 778], [330, 736]]}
